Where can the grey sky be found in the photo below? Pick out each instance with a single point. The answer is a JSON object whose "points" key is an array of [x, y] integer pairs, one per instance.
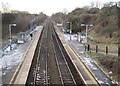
{"points": [[49, 6]]}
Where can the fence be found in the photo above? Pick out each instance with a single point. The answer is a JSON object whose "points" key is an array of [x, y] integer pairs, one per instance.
{"points": [[103, 49]]}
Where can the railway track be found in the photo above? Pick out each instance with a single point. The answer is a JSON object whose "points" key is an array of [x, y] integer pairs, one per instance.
{"points": [[64, 70], [51, 64], [41, 69]]}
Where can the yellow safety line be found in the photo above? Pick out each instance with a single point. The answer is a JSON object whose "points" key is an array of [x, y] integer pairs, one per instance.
{"points": [[21, 61], [71, 58], [75, 65], [84, 64]]}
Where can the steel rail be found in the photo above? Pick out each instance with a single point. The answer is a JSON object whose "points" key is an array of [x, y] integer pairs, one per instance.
{"points": [[64, 59], [44, 34], [57, 63]]}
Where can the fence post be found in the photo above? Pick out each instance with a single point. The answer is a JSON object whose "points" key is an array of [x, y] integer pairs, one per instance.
{"points": [[85, 47], [96, 48], [118, 51], [88, 47], [106, 49]]}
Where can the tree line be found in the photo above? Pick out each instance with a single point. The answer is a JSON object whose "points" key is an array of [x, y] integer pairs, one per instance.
{"points": [[105, 20], [22, 19]]}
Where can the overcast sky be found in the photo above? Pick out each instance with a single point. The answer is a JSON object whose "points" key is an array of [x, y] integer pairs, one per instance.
{"points": [[48, 6]]}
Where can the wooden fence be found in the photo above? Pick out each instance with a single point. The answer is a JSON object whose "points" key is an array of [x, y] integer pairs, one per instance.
{"points": [[105, 49]]}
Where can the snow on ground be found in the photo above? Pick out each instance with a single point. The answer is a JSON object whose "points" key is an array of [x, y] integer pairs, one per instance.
{"points": [[100, 75], [12, 58], [7, 51], [8, 48], [87, 60], [73, 36], [0, 75]]}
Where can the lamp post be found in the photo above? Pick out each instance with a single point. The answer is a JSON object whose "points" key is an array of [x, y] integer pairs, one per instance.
{"points": [[86, 29], [70, 27], [10, 40]]}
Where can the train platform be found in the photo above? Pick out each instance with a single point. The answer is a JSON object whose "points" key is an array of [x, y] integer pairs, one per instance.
{"points": [[79, 49], [82, 69], [98, 73], [21, 72]]}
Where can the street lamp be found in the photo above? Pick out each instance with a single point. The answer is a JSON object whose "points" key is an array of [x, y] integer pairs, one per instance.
{"points": [[10, 34], [70, 27], [86, 28]]}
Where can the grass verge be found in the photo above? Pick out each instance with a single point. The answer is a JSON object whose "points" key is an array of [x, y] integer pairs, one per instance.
{"points": [[110, 64]]}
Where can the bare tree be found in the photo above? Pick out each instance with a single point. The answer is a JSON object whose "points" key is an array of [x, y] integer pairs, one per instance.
{"points": [[118, 3], [98, 4], [109, 4], [92, 4], [5, 7], [65, 11]]}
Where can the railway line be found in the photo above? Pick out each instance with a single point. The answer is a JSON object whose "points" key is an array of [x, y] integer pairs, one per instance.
{"points": [[51, 64], [65, 72], [51, 61]]}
